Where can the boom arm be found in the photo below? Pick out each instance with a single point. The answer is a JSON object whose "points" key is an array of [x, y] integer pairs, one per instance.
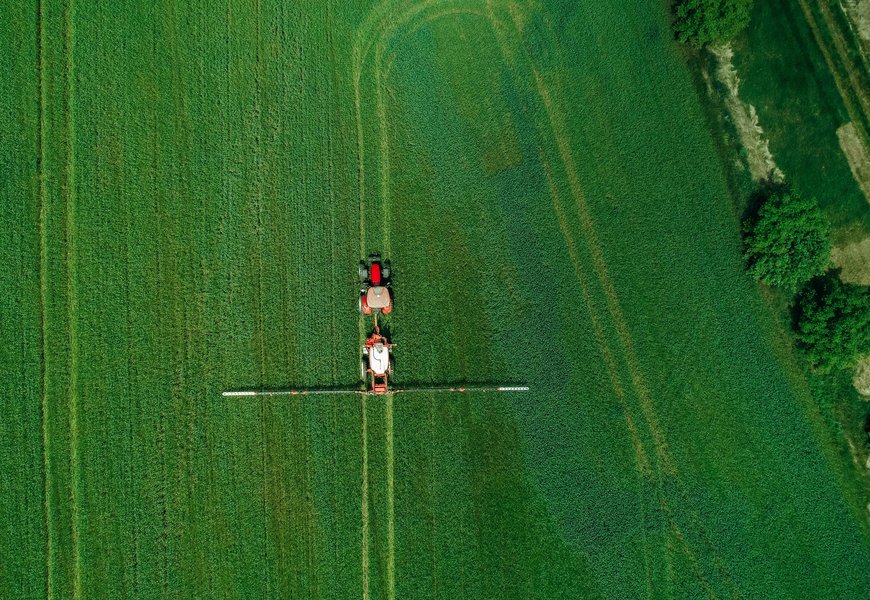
{"points": [[292, 392], [346, 391], [458, 390]]}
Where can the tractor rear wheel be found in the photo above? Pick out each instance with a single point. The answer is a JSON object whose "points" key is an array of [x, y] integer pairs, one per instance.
{"points": [[386, 270], [363, 272], [362, 369]]}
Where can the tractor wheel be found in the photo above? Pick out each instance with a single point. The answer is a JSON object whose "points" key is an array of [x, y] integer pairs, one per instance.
{"points": [[386, 270], [363, 272], [362, 369]]}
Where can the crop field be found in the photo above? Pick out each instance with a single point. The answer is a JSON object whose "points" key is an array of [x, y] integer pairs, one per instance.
{"points": [[187, 190]]}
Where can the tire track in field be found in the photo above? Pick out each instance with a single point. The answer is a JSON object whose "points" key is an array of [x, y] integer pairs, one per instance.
{"points": [[259, 160], [364, 483], [382, 74], [646, 471], [643, 462], [391, 527], [47, 488], [600, 266], [651, 475], [365, 499], [72, 301]]}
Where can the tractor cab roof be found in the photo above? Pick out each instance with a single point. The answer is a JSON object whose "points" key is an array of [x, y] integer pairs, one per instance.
{"points": [[378, 297], [379, 358]]}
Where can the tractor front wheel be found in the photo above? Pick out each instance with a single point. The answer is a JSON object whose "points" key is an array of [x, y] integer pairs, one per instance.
{"points": [[386, 270], [363, 272]]}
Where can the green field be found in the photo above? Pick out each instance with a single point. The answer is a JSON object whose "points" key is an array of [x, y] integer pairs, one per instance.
{"points": [[188, 188]]}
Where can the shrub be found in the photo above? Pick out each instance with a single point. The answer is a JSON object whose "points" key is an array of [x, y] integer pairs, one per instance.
{"points": [[702, 22], [832, 323], [787, 241]]}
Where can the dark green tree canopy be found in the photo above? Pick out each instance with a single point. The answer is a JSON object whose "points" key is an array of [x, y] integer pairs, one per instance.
{"points": [[832, 323], [702, 22], [788, 242]]}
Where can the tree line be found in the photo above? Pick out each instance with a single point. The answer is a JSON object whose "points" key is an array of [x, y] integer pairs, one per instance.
{"points": [[788, 245]]}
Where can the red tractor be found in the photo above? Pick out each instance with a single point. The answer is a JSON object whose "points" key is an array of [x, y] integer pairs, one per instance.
{"points": [[376, 293]]}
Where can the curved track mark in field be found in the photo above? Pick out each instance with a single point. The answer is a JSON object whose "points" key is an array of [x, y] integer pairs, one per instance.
{"points": [[384, 147], [557, 129], [260, 334], [365, 39], [556, 122], [612, 368], [613, 305], [361, 49], [381, 74], [648, 474], [663, 453]]}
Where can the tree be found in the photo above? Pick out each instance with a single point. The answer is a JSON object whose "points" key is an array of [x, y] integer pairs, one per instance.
{"points": [[702, 22], [832, 323], [788, 241]]}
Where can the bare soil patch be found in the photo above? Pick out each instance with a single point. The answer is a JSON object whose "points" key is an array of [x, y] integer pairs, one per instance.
{"points": [[857, 155], [858, 12], [862, 377], [854, 261], [745, 119]]}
